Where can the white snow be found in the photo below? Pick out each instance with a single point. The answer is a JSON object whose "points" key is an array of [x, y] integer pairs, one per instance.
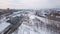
{"points": [[25, 29], [31, 16], [3, 26]]}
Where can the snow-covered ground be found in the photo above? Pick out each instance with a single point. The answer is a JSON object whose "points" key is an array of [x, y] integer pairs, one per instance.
{"points": [[3, 26], [27, 29], [33, 25]]}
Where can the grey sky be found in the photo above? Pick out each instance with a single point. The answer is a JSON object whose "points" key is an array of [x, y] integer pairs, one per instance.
{"points": [[29, 4]]}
